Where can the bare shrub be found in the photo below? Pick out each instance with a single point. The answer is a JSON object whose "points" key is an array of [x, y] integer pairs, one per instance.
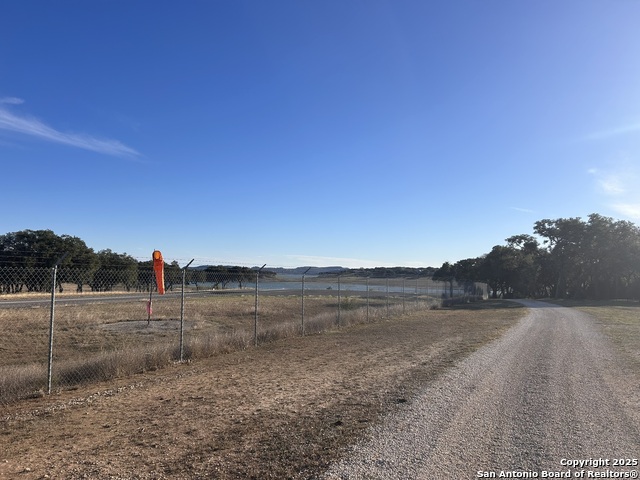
{"points": [[217, 343], [18, 382], [110, 365], [320, 323]]}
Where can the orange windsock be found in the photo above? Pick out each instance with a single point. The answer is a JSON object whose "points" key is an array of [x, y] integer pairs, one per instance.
{"points": [[158, 268]]}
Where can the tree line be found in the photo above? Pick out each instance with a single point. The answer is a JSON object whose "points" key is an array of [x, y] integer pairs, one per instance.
{"points": [[27, 255], [595, 259]]}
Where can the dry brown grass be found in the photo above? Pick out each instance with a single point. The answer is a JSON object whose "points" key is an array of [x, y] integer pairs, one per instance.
{"points": [[620, 321], [101, 341]]}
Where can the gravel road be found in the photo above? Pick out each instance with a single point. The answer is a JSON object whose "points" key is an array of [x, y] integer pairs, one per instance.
{"points": [[548, 391]]}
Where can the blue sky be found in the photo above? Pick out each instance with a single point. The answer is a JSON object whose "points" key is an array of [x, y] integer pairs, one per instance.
{"points": [[354, 133]]}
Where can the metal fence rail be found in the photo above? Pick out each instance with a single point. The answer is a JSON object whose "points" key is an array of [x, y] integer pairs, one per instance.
{"points": [[67, 326]]}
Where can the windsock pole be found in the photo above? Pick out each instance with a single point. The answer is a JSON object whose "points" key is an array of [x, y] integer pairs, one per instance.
{"points": [[149, 307], [158, 268]]}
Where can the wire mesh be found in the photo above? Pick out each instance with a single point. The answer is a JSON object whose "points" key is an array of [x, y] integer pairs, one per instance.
{"points": [[111, 322]]}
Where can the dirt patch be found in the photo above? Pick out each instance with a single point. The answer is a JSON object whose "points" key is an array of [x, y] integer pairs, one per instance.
{"points": [[143, 326], [282, 410]]}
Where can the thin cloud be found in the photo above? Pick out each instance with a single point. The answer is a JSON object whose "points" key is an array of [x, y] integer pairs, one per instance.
{"points": [[11, 101], [629, 210], [612, 186], [620, 184], [35, 128], [523, 210], [612, 183], [614, 132]]}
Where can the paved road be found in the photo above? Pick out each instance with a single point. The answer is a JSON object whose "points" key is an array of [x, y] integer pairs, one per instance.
{"points": [[45, 301], [549, 391], [85, 299]]}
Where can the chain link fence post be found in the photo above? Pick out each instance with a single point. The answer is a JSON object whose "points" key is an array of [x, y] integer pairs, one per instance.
{"points": [[255, 319], [339, 307], [367, 299], [387, 298], [403, 281], [303, 298], [184, 280], [54, 273]]}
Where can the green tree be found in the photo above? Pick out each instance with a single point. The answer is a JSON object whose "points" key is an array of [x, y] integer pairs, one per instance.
{"points": [[610, 257], [33, 252], [498, 268], [114, 269], [446, 273], [596, 259], [466, 272], [563, 238], [527, 255]]}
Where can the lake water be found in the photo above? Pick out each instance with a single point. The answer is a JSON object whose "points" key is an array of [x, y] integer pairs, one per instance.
{"points": [[294, 283]]}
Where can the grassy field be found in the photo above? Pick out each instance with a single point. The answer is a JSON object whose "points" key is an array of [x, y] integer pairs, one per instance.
{"points": [[98, 341], [620, 321]]}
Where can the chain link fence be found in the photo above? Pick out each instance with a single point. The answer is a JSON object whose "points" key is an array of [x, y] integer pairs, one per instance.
{"points": [[62, 327]]}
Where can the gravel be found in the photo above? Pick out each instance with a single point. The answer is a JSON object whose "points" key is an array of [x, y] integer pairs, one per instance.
{"points": [[548, 391]]}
